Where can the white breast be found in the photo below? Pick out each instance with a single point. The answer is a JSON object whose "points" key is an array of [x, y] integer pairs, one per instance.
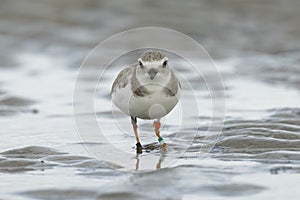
{"points": [[153, 106]]}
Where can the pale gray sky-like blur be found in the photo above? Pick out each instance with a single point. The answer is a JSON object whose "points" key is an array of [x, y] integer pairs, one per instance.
{"points": [[226, 28]]}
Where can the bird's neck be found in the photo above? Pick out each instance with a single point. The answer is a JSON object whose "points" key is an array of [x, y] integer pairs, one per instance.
{"points": [[158, 81]]}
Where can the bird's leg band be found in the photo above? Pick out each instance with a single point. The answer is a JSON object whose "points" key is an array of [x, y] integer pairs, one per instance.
{"points": [[156, 125]]}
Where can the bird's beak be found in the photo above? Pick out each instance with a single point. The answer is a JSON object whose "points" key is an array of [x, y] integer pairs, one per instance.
{"points": [[152, 73]]}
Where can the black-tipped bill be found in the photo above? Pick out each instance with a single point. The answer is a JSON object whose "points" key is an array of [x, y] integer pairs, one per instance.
{"points": [[152, 73]]}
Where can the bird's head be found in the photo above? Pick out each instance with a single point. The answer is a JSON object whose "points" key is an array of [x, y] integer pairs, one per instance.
{"points": [[153, 67]]}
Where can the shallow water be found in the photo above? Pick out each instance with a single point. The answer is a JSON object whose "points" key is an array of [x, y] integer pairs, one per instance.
{"points": [[256, 156]]}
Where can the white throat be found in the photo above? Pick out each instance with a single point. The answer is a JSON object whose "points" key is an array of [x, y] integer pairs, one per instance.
{"points": [[160, 79]]}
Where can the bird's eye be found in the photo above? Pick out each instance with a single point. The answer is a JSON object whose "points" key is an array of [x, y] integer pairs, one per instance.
{"points": [[165, 64], [141, 64]]}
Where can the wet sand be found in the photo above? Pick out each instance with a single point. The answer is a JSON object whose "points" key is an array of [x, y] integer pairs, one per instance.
{"points": [[255, 45]]}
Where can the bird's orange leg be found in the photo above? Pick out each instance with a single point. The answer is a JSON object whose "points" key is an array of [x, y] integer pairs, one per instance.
{"points": [[139, 147], [156, 125]]}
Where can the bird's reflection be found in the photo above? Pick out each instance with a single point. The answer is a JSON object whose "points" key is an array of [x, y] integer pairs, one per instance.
{"points": [[162, 156]]}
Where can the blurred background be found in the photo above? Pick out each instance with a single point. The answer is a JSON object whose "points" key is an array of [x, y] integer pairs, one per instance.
{"points": [[70, 28], [256, 47]]}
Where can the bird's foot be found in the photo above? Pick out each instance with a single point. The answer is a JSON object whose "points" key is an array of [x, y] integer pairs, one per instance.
{"points": [[163, 144], [139, 148]]}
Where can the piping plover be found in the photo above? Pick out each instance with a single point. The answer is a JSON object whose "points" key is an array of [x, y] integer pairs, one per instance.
{"points": [[148, 89]]}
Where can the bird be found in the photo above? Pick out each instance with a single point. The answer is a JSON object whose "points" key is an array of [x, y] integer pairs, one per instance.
{"points": [[148, 89]]}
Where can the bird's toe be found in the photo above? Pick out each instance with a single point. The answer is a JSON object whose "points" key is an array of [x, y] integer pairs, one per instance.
{"points": [[139, 148]]}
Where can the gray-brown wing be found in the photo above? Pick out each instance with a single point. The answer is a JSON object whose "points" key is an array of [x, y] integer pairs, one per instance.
{"points": [[122, 79], [172, 86]]}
